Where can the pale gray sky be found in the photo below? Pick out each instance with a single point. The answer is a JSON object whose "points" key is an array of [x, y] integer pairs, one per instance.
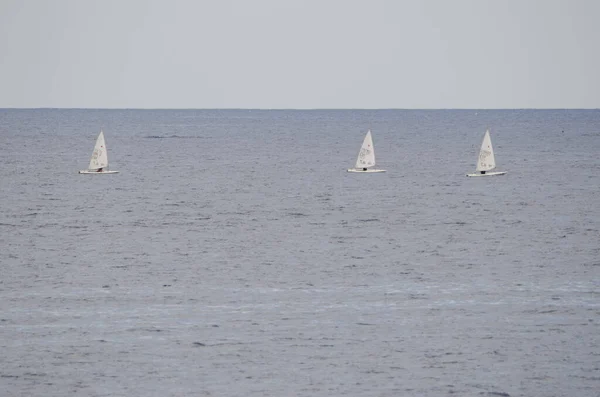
{"points": [[300, 53]]}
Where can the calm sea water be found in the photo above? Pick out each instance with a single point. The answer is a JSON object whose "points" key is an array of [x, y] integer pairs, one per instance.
{"points": [[233, 255]]}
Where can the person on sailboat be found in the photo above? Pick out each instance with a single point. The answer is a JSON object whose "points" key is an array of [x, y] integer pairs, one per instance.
{"points": [[99, 170]]}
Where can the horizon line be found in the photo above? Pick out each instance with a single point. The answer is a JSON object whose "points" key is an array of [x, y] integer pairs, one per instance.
{"points": [[282, 109]]}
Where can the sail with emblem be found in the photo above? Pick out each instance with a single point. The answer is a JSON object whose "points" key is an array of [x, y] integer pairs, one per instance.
{"points": [[99, 159], [99, 156], [486, 161], [366, 156]]}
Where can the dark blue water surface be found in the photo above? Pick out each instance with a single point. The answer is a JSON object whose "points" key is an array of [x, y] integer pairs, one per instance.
{"points": [[233, 255]]}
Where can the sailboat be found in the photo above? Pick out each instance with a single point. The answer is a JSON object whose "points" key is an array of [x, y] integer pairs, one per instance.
{"points": [[99, 160], [366, 156], [486, 160]]}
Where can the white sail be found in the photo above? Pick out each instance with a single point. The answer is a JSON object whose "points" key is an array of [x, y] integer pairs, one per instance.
{"points": [[486, 160], [99, 156], [366, 155]]}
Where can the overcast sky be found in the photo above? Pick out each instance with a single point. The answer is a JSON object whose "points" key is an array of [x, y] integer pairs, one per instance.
{"points": [[300, 53]]}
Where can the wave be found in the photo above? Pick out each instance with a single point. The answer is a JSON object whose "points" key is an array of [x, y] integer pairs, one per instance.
{"points": [[173, 137]]}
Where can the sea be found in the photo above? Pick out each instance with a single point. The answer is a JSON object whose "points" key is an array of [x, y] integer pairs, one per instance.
{"points": [[234, 255]]}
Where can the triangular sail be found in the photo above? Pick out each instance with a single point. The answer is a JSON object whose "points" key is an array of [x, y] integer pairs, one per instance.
{"points": [[486, 160], [99, 156], [366, 155]]}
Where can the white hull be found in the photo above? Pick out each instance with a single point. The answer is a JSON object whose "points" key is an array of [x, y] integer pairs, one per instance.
{"points": [[488, 173], [96, 172], [361, 171]]}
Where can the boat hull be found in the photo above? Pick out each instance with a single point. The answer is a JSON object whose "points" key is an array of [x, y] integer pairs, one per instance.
{"points": [[361, 171], [489, 174], [98, 173]]}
